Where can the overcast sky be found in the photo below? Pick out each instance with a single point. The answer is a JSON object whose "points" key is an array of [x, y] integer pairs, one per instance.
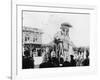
{"points": [[50, 24]]}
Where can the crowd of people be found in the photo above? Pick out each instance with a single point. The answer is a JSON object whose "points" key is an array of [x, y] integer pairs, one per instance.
{"points": [[50, 59], [79, 58]]}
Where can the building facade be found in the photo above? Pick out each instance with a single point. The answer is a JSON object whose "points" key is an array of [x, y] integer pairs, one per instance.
{"points": [[32, 38]]}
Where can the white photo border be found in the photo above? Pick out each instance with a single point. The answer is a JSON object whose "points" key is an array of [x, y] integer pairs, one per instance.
{"points": [[17, 19]]}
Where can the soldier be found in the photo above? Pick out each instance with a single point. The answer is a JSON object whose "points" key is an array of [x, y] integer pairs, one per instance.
{"points": [[62, 40]]}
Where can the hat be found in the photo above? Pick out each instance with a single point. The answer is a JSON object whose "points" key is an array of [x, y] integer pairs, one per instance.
{"points": [[65, 25]]}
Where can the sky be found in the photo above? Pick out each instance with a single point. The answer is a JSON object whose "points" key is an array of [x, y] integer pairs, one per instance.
{"points": [[50, 24]]}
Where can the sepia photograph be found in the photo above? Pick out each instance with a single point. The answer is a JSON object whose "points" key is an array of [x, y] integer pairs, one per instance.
{"points": [[55, 39]]}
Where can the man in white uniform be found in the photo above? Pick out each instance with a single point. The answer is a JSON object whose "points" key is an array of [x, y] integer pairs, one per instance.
{"points": [[63, 41]]}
